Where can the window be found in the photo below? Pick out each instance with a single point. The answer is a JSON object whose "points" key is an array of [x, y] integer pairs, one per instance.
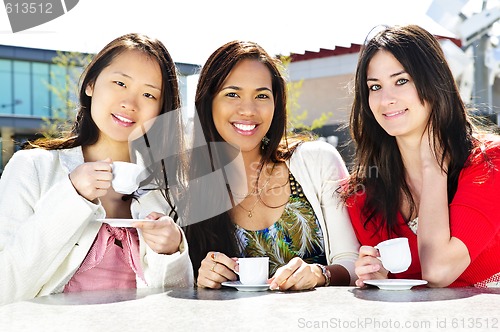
{"points": [[22, 88], [6, 100], [41, 100], [59, 93]]}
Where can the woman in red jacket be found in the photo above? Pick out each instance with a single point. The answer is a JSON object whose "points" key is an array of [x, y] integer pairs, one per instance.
{"points": [[422, 169]]}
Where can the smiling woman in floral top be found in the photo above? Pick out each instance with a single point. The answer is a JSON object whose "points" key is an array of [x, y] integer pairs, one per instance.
{"points": [[289, 210]]}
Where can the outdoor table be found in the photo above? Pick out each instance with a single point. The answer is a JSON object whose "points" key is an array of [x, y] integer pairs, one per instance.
{"points": [[227, 309]]}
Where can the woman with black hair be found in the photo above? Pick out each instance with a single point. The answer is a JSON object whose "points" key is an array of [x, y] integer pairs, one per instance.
{"points": [[288, 207], [422, 169]]}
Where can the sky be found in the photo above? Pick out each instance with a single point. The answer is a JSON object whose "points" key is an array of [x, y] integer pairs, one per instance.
{"points": [[193, 29]]}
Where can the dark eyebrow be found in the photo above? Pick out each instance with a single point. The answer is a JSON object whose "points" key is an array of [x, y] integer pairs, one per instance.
{"points": [[398, 73], [392, 75], [264, 89], [233, 87], [130, 77]]}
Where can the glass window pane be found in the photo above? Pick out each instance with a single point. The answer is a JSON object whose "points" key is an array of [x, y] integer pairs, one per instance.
{"points": [[58, 93], [6, 90], [22, 88], [41, 93]]}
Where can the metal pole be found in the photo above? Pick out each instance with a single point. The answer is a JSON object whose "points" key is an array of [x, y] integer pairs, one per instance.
{"points": [[482, 94], [482, 89]]}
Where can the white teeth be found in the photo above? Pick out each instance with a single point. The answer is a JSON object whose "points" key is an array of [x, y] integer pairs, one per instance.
{"points": [[121, 118], [394, 114], [244, 127]]}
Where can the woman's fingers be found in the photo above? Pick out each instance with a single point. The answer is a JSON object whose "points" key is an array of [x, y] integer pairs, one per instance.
{"points": [[368, 266], [161, 235], [216, 268], [92, 179], [296, 275]]}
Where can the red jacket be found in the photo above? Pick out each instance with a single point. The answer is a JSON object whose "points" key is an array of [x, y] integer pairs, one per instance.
{"points": [[474, 219]]}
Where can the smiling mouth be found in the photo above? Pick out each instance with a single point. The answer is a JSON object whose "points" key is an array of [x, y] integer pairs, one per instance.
{"points": [[390, 115], [122, 119], [245, 127]]}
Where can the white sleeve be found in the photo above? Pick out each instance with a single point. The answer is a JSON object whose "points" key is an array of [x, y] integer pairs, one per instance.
{"points": [[41, 219], [344, 245], [321, 171]]}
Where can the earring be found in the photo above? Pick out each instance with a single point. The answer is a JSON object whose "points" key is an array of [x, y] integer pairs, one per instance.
{"points": [[265, 142]]}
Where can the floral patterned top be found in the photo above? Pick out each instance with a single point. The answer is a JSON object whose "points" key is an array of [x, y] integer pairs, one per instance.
{"points": [[296, 233]]}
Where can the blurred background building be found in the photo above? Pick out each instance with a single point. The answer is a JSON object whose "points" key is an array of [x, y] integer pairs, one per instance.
{"points": [[473, 55], [28, 99]]}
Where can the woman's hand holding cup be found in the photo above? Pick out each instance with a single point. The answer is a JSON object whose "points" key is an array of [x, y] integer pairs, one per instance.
{"points": [[392, 255], [216, 268], [368, 265], [92, 179]]}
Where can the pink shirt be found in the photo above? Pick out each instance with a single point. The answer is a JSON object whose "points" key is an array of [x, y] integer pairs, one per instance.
{"points": [[111, 263]]}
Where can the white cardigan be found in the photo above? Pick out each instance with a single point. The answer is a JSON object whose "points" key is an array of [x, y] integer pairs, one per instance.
{"points": [[319, 169], [47, 228]]}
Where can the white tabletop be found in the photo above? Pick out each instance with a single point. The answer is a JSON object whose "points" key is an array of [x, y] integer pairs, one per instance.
{"points": [[325, 308]]}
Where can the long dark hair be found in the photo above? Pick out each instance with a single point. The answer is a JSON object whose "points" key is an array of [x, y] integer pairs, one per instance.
{"points": [[84, 131], [217, 233], [378, 168]]}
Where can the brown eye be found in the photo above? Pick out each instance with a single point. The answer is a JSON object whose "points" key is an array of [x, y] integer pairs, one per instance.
{"points": [[150, 96]]}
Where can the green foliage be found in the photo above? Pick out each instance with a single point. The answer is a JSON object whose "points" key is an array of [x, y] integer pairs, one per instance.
{"points": [[64, 87], [296, 115]]}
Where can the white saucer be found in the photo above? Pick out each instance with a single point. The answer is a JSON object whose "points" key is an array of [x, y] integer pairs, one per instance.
{"points": [[246, 288], [122, 222], [395, 284]]}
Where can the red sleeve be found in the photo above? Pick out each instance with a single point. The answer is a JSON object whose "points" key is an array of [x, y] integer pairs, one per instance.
{"points": [[475, 208]]}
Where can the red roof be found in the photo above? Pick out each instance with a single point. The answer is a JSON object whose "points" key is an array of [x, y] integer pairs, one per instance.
{"points": [[324, 52], [355, 48]]}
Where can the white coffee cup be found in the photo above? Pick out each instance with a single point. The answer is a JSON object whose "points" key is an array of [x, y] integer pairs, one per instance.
{"points": [[253, 270], [395, 254], [125, 177]]}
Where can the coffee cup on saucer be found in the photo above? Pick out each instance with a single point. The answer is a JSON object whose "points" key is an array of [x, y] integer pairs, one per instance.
{"points": [[253, 270]]}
